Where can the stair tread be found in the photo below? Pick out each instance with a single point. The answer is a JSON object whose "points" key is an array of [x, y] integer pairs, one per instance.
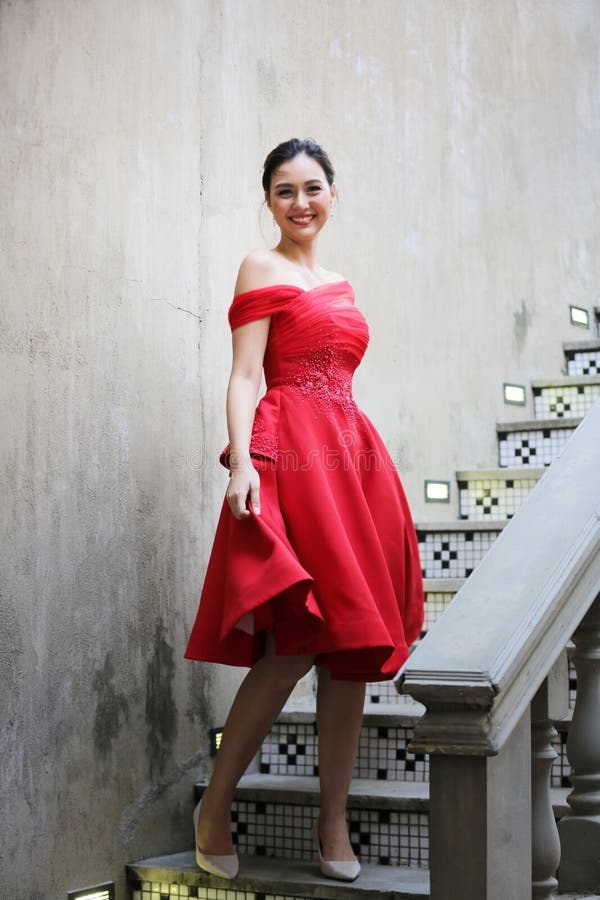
{"points": [[576, 346], [465, 524], [365, 793], [504, 473], [442, 585], [290, 877], [566, 381], [400, 712], [537, 424]]}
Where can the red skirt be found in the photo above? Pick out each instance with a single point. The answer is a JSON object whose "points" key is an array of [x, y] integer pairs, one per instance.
{"points": [[331, 567]]}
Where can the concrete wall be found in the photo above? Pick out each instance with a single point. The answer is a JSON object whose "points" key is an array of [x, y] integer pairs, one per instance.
{"points": [[465, 136]]}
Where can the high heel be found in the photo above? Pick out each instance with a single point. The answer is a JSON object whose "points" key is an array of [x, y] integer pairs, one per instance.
{"points": [[342, 869], [226, 866]]}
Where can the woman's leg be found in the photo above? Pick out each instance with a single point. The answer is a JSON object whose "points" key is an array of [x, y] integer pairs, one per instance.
{"points": [[339, 715], [258, 702]]}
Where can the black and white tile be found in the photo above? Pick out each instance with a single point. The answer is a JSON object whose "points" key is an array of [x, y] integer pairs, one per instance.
{"points": [[454, 554], [383, 692], [157, 890], [565, 401], [290, 749], [492, 498], [284, 830], [521, 449], [382, 753], [583, 362]]}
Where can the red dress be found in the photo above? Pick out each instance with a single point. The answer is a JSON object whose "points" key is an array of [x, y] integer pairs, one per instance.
{"points": [[331, 565]]}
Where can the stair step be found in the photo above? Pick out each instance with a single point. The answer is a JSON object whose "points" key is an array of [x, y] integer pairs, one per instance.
{"points": [[566, 397], [388, 821], [494, 494], [583, 357], [452, 549], [291, 748], [533, 442], [404, 711], [176, 877]]}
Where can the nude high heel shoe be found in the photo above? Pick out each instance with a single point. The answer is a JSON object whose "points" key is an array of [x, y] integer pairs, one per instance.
{"points": [[226, 866], [343, 869]]}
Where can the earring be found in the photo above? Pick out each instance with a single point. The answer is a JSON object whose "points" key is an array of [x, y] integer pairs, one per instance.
{"points": [[274, 222]]}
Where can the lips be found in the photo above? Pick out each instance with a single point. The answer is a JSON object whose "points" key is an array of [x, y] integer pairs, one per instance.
{"points": [[301, 220]]}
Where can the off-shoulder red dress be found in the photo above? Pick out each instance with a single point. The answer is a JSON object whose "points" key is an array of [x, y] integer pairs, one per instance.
{"points": [[331, 565]]}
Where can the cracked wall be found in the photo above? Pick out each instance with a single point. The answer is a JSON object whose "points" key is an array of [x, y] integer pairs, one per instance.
{"points": [[465, 138]]}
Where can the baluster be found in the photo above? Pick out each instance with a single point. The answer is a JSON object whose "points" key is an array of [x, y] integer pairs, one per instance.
{"points": [[580, 829], [550, 702]]}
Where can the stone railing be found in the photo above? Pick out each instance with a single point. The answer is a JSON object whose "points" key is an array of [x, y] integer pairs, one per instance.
{"points": [[492, 674]]}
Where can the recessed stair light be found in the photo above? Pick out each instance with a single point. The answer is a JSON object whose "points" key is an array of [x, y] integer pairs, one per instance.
{"points": [[215, 735], [579, 316], [99, 892], [515, 394], [437, 491]]}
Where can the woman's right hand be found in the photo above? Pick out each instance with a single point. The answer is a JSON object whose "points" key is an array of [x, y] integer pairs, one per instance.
{"points": [[244, 488]]}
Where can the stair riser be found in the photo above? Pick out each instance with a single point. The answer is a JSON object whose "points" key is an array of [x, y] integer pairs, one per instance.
{"points": [[486, 500], [564, 401], [584, 362], [523, 449], [453, 554], [291, 749], [159, 890], [283, 830]]}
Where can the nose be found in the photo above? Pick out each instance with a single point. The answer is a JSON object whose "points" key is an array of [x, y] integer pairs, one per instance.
{"points": [[301, 200]]}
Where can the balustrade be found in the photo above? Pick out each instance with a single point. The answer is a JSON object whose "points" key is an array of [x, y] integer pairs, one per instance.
{"points": [[550, 703], [580, 829]]}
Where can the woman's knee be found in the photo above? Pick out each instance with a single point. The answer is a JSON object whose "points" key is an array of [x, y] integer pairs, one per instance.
{"points": [[287, 670]]}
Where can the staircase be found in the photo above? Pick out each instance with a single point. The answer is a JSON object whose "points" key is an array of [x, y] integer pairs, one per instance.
{"points": [[388, 805]]}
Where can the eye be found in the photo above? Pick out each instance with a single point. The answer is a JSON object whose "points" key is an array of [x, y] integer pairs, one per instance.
{"points": [[284, 193], [314, 188]]}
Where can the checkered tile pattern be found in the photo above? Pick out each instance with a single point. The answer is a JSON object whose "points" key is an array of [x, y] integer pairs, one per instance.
{"points": [[519, 449], [494, 498], [583, 362], [384, 692], [559, 775], [156, 890], [382, 753], [390, 838], [454, 554], [436, 602], [565, 402], [290, 749], [572, 684], [283, 830]]}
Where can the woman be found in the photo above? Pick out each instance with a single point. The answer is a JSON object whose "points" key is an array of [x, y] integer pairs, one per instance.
{"points": [[315, 559]]}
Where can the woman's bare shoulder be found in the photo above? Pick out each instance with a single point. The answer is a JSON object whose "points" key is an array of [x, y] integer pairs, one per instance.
{"points": [[331, 276], [258, 269]]}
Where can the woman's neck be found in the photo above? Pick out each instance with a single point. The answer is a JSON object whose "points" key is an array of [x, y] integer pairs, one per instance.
{"points": [[304, 256]]}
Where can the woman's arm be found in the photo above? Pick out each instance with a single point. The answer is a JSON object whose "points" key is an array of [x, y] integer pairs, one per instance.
{"points": [[249, 343]]}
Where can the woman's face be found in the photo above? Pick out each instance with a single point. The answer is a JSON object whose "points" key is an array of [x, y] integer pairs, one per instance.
{"points": [[300, 197]]}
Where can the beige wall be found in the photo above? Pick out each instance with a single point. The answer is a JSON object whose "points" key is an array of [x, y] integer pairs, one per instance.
{"points": [[465, 135]]}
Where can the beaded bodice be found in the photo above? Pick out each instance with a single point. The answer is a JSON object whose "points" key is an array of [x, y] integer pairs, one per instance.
{"points": [[316, 343], [316, 340]]}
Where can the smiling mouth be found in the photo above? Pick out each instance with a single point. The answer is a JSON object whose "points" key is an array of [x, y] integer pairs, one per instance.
{"points": [[301, 220]]}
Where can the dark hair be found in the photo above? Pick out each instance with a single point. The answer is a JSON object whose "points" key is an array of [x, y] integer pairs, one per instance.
{"points": [[290, 149]]}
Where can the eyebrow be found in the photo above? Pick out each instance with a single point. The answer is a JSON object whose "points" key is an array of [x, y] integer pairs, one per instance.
{"points": [[289, 184]]}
